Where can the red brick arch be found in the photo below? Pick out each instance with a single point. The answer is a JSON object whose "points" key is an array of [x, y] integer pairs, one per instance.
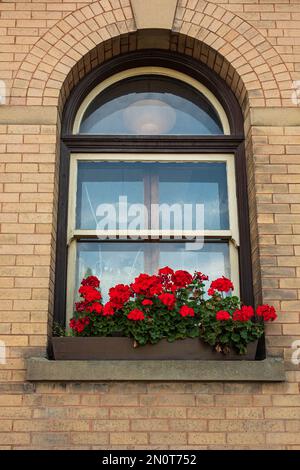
{"points": [[253, 58], [90, 35], [49, 61]]}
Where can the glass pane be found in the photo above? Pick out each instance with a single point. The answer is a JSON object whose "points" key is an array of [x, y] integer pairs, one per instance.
{"points": [[212, 259], [121, 262], [118, 195], [113, 263], [192, 189], [102, 191], [150, 105]]}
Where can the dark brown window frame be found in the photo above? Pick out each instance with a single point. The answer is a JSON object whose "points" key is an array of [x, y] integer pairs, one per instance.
{"points": [[233, 143]]}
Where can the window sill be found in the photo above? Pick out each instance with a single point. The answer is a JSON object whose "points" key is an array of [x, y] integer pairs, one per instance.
{"points": [[268, 370]]}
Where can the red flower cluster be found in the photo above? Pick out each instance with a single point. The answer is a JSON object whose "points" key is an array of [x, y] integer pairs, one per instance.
{"points": [[79, 324], [174, 280], [119, 295], [147, 285], [222, 315], [138, 310], [245, 313], [91, 281], [147, 303], [89, 293], [168, 300], [96, 307], [166, 271], [267, 312], [136, 315], [222, 284], [186, 311], [200, 276], [165, 275], [81, 306], [108, 309]]}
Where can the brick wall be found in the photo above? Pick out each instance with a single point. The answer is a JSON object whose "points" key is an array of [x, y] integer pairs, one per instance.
{"points": [[45, 49]]}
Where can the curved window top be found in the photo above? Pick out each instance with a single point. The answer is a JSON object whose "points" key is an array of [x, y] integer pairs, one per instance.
{"points": [[152, 103]]}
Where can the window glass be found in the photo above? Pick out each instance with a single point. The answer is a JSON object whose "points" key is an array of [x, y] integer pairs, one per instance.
{"points": [[137, 195], [101, 191], [188, 185], [150, 105], [121, 262]]}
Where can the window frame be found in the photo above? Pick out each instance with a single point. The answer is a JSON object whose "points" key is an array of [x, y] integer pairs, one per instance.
{"points": [[91, 144]]}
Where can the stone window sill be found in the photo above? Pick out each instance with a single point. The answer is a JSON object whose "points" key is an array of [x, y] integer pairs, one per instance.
{"points": [[268, 370]]}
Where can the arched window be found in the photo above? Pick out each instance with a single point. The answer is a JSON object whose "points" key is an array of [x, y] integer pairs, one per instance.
{"points": [[150, 155], [159, 102]]}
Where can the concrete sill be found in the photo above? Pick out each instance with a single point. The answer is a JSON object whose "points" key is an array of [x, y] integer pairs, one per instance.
{"points": [[269, 370]]}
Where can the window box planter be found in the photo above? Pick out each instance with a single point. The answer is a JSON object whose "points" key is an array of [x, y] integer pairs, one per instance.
{"points": [[120, 348], [162, 317]]}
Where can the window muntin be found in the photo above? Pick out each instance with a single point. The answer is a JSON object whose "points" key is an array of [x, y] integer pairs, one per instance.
{"points": [[155, 246], [150, 105]]}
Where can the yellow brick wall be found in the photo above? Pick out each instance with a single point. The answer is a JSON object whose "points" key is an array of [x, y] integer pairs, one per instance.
{"points": [[46, 47]]}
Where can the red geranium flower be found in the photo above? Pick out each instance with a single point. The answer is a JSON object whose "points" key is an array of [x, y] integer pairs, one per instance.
{"points": [[166, 271], [186, 311], [182, 278], [200, 276], [80, 324], [89, 293], [222, 284], [267, 312], [119, 295], [168, 300], [95, 307], [222, 315], [108, 309], [136, 315], [147, 302], [165, 275], [81, 306], [147, 285], [92, 281], [244, 314]]}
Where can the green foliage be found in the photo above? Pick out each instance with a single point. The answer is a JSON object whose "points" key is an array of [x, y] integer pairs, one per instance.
{"points": [[160, 322], [58, 330], [228, 334]]}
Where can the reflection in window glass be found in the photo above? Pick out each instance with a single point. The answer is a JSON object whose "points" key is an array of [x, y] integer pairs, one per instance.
{"points": [[186, 185], [177, 188], [100, 189], [149, 105], [121, 262]]}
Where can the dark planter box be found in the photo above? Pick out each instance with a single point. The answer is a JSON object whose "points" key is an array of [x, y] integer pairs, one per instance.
{"points": [[118, 348]]}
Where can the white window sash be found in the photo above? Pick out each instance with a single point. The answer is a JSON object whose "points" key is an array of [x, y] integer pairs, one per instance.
{"points": [[73, 234]]}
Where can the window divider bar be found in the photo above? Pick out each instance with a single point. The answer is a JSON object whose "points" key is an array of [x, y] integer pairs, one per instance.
{"points": [[149, 234]]}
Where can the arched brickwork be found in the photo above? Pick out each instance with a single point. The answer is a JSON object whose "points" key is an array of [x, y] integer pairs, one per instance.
{"points": [[249, 55], [44, 69], [92, 34]]}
